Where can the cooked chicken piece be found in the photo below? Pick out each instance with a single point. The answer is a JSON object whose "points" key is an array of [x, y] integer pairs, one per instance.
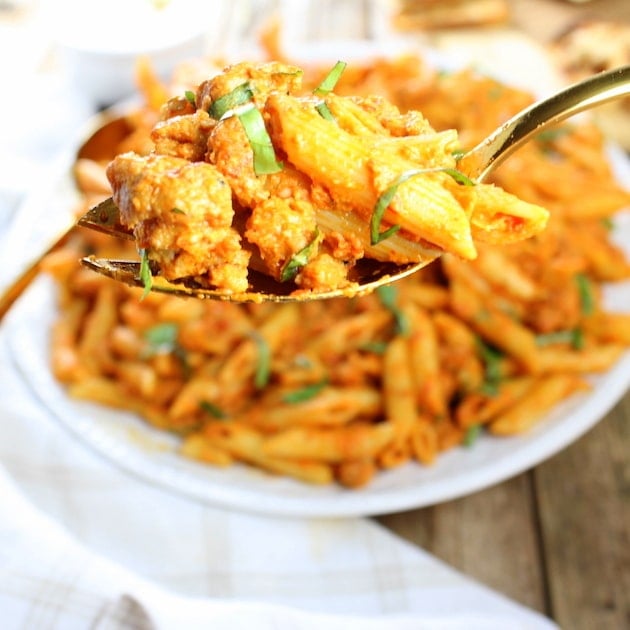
{"points": [[181, 213], [184, 136], [323, 271], [262, 79], [281, 228]]}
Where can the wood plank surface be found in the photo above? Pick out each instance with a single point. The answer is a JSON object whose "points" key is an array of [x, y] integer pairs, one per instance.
{"points": [[490, 535], [584, 505]]}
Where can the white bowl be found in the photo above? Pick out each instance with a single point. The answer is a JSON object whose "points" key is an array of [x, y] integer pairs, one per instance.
{"points": [[99, 42]]}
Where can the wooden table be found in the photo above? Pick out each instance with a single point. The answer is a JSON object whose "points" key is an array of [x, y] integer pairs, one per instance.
{"points": [[556, 538]]}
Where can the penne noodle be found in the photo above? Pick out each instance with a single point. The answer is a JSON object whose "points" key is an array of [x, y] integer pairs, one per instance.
{"points": [[356, 441], [541, 397]]}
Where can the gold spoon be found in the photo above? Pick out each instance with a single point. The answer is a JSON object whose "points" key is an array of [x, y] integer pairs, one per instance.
{"points": [[476, 164]]}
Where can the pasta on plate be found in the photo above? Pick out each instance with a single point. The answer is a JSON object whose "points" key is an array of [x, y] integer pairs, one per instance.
{"points": [[337, 391]]}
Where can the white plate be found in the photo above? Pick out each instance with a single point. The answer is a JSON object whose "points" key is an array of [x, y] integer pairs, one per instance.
{"points": [[151, 455]]}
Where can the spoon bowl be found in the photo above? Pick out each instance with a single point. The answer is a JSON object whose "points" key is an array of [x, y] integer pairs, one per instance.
{"points": [[476, 164]]}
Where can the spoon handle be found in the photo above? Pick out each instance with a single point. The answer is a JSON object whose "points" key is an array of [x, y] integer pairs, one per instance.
{"points": [[596, 90]]}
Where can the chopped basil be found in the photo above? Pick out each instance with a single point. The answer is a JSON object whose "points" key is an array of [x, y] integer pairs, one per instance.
{"points": [[548, 136], [458, 176], [331, 79], [162, 338], [299, 259], [376, 236], [324, 112], [376, 347], [491, 358], [239, 103], [386, 197], [587, 297], [573, 337], [608, 223], [263, 362], [190, 97], [265, 161], [472, 434], [145, 272], [238, 96], [177, 211], [212, 409], [388, 295], [305, 393], [327, 86]]}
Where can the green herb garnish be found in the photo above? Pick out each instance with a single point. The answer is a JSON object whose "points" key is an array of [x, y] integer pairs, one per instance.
{"points": [[299, 259], [162, 338], [331, 79], [305, 393], [238, 96], [145, 272], [262, 373], [472, 434], [190, 97], [388, 294], [492, 359], [376, 347], [327, 86], [324, 111], [265, 161], [573, 337], [587, 297], [386, 197], [239, 102], [212, 409]]}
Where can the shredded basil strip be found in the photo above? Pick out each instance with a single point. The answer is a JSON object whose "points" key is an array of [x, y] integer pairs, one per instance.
{"points": [[376, 347], [238, 96], [299, 259], [573, 337], [212, 409], [491, 358], [265, 161], [324, 112], [386, 197], [162, 338], [551, 135], [145, 272], [327, 86], [190, 97], [263, 362], [388, 295], [472, 434], [305, 393], [585, 290], [331, 79]]}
